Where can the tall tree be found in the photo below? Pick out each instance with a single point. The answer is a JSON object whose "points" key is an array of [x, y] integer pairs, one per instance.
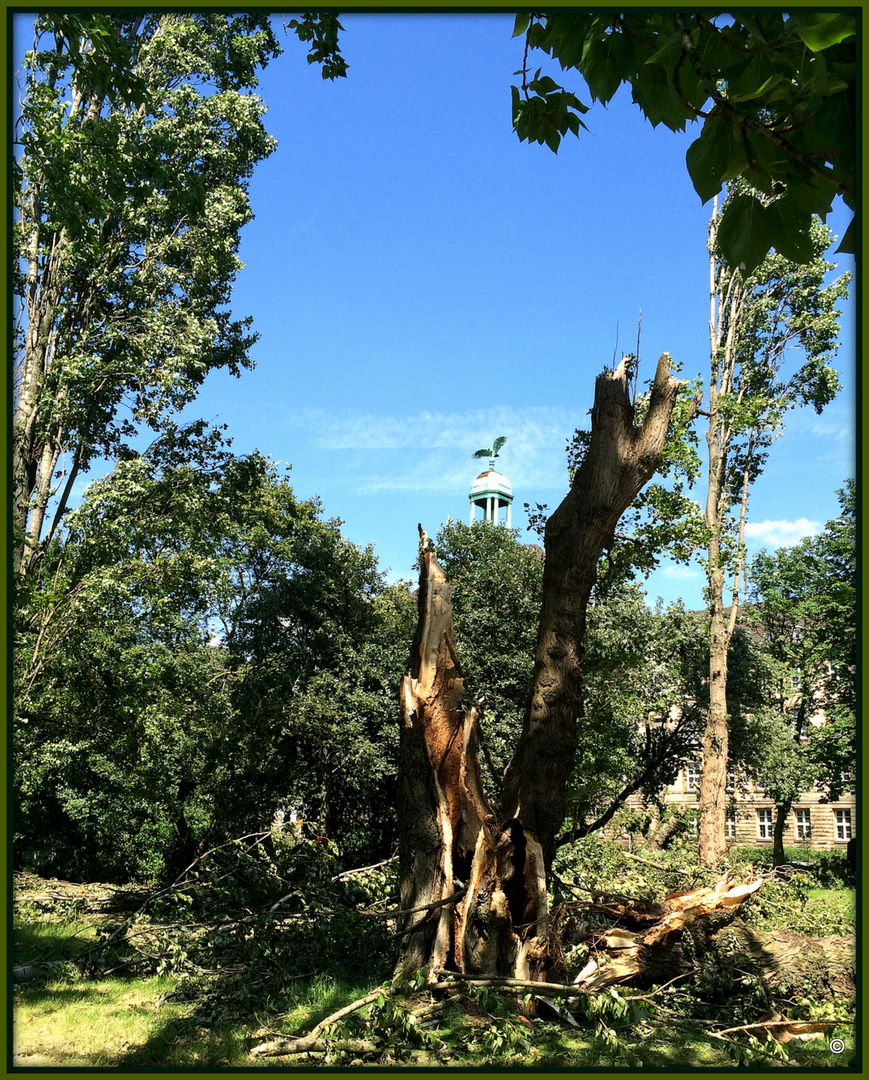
{"points": [[136, 142], [754, 321], [138, 134], [775, 94], [804, 616], [450, 833]]}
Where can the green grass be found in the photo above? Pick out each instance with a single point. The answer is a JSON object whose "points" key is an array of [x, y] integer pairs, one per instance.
{"points": [[65, 1018], [839, 903]]}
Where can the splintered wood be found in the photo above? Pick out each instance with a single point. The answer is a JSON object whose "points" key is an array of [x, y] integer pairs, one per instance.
{"points": [[622, 954]]}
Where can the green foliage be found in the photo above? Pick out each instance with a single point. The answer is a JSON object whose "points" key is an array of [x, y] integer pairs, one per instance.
{"points": [[204, 615], [774, 93], [138, 135], [497, 588], [322, 29], [273, 905], [805, 609], [643, 701]]}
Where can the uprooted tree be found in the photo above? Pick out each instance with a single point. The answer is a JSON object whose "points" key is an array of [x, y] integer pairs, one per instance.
{"points": [[473, 875]]}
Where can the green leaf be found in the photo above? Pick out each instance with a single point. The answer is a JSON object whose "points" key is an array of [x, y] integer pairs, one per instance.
{"points": [[521, 24], [848, 243], [744, 233], [819, 30], [653, 91], [791, 228], [714, 157], [603, 68]]}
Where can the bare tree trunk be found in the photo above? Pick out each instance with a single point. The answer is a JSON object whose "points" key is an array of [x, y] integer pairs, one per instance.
{"points": [[450, 840], [621, 459], [778, 847], [442, 808], [727, 296]]}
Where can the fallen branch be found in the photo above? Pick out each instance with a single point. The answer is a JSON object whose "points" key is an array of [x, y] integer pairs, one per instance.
{"points": [[646, 862], [412, 911], [809, 1026], [502, 982], [280, 1047], [363, 869], [755, 1050], [354, 1046]]}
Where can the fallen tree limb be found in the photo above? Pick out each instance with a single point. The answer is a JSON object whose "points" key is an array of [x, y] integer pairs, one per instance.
{"points": [[502, 982], [697, 929], [412, 911], [354, 1046], [755, 1050], [280, 1047], [364, 869], [646, 862], [809, 1027]]}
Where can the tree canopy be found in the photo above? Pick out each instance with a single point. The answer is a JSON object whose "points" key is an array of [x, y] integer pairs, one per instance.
{"points": [[775, 95], [805, 604], [181, 669]]}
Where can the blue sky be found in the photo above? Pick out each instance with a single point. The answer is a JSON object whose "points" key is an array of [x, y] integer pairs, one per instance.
{"points": [[422, 282]]}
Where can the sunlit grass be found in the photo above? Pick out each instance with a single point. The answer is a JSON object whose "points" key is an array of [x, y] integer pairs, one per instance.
{"points": [[838, 903], [65, 1018]]}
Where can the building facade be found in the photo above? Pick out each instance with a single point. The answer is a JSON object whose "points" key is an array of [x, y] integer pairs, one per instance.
{"points": [[751, 816]]}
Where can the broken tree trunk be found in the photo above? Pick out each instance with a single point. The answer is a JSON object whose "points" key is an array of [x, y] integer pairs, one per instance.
{"points": [[698, 930], [620, 460], [449, 834]]}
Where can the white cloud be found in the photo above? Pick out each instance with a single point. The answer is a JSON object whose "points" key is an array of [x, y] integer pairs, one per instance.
{"points": [[679, 572], [431, 451], [781, 533], [537, 426]]}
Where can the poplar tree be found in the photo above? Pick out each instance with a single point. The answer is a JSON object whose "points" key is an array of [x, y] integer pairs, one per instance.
{"points": [[136, 141], [755, 321]]}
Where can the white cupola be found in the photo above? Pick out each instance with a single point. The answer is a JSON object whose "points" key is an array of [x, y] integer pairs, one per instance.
{"points": [[491, 490]]}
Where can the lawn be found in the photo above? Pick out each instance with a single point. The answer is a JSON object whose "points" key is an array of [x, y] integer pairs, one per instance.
{"points": [[76, 1011]]}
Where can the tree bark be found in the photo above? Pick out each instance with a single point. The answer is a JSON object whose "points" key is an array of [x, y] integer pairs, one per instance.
{"points": [[442, 809], [778, 846], [621, 459], [449, 833], [697, 931]]}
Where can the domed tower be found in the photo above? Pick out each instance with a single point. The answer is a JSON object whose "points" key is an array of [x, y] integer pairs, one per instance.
{"points": [[491, 490]]}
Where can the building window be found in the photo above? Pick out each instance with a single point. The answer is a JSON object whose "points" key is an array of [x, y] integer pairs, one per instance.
{"points": [[730, 826], [692, 777], [804, 824], [843, 825], [764, 824]]}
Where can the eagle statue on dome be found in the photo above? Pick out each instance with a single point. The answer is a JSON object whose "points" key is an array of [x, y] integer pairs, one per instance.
{"points": [[491, 452]]}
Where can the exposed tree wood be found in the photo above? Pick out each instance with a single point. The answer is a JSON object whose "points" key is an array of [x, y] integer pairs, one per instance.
{"points": [[649, 949], [621, 459], [449, 833], [442, 808]]}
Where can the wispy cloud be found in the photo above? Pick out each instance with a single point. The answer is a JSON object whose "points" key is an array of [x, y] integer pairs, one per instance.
{"points": [[780, 533], [432, 451], [677, 571]]}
